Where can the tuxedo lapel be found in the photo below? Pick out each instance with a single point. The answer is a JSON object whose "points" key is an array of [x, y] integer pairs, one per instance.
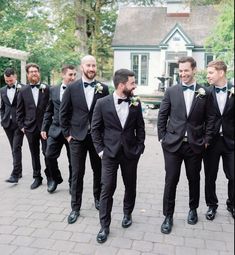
{"points": [[180, 94], [113, 109], [131, 111], [215, 101], [81, 95], [5, 96]]}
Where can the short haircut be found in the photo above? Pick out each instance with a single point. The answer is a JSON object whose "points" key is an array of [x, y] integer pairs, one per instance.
{"points": [[218, 65], [9, 71], [188, 59], [66, 67], [121, 76], [32, 65]]}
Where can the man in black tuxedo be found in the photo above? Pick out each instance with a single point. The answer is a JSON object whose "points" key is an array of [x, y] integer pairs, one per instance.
{"points": [[185, 129], [51, 130], [31, 105], [8, 121], [222, 145], [118, 133], [75, 119]]}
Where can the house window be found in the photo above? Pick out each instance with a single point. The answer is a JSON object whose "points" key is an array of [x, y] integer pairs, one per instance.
{"points": [[140, 68], [208, 58]]}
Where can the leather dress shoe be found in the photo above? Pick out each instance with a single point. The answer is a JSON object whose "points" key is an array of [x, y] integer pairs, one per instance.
{"points": [[232, 211], [37, 182], [12, 179], [51, 186], [127, 221], [73, 216], [102, 235], [210, 214], [97, 204], [192, 217], [167, 225]]}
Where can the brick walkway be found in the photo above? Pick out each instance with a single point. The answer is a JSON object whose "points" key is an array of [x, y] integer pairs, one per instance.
{"points": [[35, 222]]}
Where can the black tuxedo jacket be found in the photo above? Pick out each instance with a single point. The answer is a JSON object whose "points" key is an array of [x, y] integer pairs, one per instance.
{"points": [[226, 119], [51, 122], [8, 110], [75, 117], [28, 115], [173, 121], [108, 134]]}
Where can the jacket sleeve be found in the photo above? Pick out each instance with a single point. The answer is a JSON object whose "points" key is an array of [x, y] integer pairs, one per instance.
{"points": [[20, 112], [2, 106], [47, 119], [97, 128], [163, 115], [140, 130]]}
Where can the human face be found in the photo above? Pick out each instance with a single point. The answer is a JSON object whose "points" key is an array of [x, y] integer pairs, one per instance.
{"points": [[69, 76], [89, 68], [33, 75], [11, 80], [214, 77], [186, 73], [129, 87]]}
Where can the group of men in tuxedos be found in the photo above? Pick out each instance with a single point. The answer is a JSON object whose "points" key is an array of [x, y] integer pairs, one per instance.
{"points": [[195, 124]]}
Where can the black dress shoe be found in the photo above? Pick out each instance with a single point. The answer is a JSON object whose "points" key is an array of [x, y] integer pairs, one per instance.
{"points": [[51, 186], [102, 235], [210, 214], [97, 204], [127, 221], [232, 211], [73, 216], [192, 217], [37, 182], [167, 225], [12, 179]]}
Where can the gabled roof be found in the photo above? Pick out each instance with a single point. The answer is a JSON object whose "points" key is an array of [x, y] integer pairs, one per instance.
{"points": [[149, 26]]}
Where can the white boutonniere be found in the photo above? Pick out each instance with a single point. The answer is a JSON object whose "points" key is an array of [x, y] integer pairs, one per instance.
{"points": [[200, 92], [98, 88], [18, 87], [231, 92], [42, 87], [134, 101]]}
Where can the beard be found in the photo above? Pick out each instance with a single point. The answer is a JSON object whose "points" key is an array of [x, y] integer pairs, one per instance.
{"points": [[34, 79], [90, 75], [128, 93]]}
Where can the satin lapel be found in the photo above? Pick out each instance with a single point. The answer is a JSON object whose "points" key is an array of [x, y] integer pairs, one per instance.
{"points": [[113, 109], [30, 94], [131, 110], [195, 100], [227, 104], [81, 95], [5, 95], [57, 93], [181, 95], [215, 101]]}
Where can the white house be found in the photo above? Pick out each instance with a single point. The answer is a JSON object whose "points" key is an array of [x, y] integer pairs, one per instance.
{"points": [[150, 40]]}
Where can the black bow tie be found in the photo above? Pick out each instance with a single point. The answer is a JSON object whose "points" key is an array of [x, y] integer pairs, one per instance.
{"points": [[217, 90], [64, 87], [35, 86], [11, 87], [92, 84], [187, 87], [120, 100]]}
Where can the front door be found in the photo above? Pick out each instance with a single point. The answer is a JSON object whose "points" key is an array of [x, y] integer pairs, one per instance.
{"points": [[173, 73]]}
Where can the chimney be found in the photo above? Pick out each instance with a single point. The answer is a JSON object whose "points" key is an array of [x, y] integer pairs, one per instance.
{"points": [[177, 8]]}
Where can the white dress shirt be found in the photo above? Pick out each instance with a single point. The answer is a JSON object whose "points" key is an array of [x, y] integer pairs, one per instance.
{"points": [[11, 93], [35, 92], [89, 94], [221, 100], [122, 109], [62, 90]]}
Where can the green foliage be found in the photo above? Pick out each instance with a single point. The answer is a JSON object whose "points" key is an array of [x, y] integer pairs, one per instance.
{"points": [[201, 77], [221, 42]]}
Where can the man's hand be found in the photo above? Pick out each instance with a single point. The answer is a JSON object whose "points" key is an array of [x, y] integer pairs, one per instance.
{"points": [[23, 130], [69, 138], [44, 135]]}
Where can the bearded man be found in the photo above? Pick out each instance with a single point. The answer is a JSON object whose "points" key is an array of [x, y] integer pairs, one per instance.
{"points": [[76, 112]]}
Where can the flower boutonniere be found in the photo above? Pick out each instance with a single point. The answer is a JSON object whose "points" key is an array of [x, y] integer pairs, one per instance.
{"points": [[134, 101], [200, 92], [231, 92], [42, 87], [98, 88], [18, 87]]}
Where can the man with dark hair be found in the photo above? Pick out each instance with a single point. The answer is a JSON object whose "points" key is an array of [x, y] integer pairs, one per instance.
{"points": [[222, 145], [185, 129], [118, 133], [51, 130], [8, 121], [31, 105], [76, 113]]}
